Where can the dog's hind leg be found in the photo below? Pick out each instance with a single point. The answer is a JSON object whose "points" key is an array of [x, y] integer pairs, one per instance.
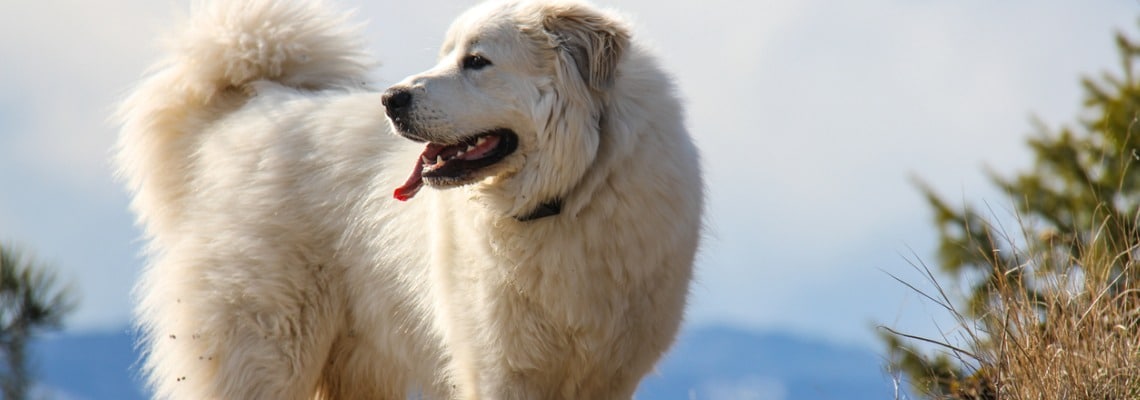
{"points": [[237, 331], [351, 373]]}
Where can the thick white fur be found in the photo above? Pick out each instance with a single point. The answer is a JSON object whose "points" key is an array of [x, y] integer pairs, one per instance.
{"points": [[279, 266]]}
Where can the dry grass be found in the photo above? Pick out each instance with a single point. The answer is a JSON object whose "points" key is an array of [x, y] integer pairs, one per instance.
{"points": [[1063, 327], [1079, 344]]}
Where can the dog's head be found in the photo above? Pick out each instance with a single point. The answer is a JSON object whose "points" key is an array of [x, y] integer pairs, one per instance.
{"points": [[515, 101]]}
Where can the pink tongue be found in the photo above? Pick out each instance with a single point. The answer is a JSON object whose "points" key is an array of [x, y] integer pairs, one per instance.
{"points": [[413, 185], [416, 181]]}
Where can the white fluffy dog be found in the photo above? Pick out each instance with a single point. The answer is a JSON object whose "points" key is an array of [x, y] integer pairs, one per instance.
{"points": [[549, 259]]}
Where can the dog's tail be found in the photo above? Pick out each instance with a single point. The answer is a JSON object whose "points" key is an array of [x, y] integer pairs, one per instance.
{"points": [[223, 47]]}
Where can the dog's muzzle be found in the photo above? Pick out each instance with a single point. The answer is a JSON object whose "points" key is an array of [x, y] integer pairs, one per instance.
{"points": [[398, 104]]}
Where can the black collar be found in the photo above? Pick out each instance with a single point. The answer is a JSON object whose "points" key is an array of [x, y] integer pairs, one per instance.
{"points": [[552, 207]]}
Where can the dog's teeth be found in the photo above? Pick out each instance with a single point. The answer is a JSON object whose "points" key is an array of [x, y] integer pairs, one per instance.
{"points": [[460, 154], [480, 141], [438, 159], [425, 160], [470, 147]]}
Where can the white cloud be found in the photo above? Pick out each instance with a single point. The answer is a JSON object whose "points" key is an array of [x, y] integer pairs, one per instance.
{"points": [[749, 388], [65, 64], [41, 391], [809, 158]]}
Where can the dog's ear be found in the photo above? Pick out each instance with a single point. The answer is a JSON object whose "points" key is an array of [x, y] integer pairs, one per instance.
{"points": [[593, 40]]}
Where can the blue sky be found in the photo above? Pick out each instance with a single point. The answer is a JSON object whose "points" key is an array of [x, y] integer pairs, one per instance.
{"points": [[812, 116]]}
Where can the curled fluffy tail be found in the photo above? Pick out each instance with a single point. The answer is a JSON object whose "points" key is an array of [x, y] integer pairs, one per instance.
{"points": [[295, 43], [219, 50]]}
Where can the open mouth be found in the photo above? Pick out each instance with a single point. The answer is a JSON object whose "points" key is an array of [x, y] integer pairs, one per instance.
{"points": [[453, 164]]}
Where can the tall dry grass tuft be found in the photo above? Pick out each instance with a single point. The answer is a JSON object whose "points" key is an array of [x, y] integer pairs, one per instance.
{"points": [[1071, 335], [1056, 327]]}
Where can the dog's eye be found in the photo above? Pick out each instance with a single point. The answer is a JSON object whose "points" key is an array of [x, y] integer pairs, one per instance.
{"points": [[475, 62]]}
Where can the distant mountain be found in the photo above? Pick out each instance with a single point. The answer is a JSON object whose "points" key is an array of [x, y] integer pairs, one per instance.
{"points": [[721, 363], [712, 363]]}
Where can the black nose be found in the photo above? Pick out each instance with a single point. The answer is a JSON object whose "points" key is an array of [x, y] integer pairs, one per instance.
{"points": [[396, 101]]}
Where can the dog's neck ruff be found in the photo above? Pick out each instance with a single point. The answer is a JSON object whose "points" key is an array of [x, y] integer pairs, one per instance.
{"points": [[549, 208], [554, 206]]}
